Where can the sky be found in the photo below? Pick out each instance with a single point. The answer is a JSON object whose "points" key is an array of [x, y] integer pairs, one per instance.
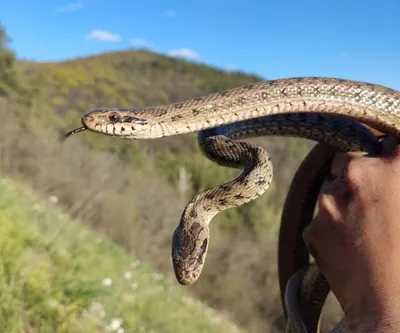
{"points": [[351, 39]]}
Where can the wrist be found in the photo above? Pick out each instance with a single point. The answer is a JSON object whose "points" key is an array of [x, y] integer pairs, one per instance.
{"points": [[375, 309], [372, 325], [373, 301], [382, 316]]}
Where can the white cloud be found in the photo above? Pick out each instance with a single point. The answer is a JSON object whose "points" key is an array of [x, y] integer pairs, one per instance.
{"points": [[139, 42], [184, 53], [170, 13], [73, 6], [104, 36]]}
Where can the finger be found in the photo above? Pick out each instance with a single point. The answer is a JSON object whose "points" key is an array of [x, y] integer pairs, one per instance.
{"points": [[340, 162]]}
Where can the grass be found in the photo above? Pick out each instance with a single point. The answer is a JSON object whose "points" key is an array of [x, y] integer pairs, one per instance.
{"points": [[56, 275]]}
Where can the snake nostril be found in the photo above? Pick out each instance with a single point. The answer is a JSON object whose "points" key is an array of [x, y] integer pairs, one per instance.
{"points": [[87, 120]]}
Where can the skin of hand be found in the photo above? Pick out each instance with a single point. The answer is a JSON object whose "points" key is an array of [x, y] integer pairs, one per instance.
{"points": [[355, 237]]}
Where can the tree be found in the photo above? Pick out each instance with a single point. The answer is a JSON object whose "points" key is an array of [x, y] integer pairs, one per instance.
{"points": [[8, 75], [10, 83]]}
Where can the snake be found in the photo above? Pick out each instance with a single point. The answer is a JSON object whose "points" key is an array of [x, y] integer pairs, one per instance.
{"points": [[339, 114]]}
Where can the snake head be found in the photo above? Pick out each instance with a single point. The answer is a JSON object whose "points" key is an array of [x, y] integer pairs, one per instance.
{"points": [[189, 251], [125, 123], [116, 122]]}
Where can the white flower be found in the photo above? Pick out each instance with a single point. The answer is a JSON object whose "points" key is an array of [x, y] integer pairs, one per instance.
{"points": [[127, 275], [53, 199], [98, 309], [115, 324], [107, 282]]}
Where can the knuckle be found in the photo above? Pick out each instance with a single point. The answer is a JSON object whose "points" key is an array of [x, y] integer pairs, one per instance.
{"points": [[353, 174]]}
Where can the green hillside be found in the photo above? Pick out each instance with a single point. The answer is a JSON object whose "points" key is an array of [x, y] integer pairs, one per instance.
{"points": [[58, 276], [132, 192]]}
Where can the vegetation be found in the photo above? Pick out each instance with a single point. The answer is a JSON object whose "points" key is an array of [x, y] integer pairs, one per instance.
{"points": [[132, 192], [58, 276]]}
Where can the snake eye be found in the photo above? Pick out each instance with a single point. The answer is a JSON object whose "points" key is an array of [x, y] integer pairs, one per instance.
{"points": [[114, 117]]}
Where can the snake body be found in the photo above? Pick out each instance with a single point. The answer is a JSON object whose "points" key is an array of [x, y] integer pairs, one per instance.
{"points": [[306, 107], [293, 258], [191, 237]]}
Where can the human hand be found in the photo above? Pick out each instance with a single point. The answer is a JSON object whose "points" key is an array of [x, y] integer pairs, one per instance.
{"points": [[355, 237]]}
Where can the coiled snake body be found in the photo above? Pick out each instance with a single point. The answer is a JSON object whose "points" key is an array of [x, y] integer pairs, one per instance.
{"points": [[326, 110]]}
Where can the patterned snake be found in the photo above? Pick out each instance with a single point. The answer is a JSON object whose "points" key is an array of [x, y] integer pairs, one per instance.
{"points": [[339, 114]]}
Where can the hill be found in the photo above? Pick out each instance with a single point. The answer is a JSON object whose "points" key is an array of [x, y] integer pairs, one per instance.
{"points": [[134, 192]]}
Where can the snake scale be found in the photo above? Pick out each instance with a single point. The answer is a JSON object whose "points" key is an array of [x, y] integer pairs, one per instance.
{"points": [[339, 114]]}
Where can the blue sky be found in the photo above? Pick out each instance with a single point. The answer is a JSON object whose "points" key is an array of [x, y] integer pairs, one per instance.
{"points": [[357, 39]]}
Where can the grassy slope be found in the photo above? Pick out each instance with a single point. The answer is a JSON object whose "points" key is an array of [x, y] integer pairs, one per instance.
{"points": [[52, 272]]}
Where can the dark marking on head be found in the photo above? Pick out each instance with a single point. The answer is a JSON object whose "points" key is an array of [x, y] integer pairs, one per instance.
{"points": [[193, 214], [184, 243], [195, 112], [133, 120], [239, 196], [203, 249], [178, 105], [122, 129], [196, 228]]}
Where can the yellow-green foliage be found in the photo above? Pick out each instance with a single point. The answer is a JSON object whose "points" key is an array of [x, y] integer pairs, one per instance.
{"points": [[126, 79], [53, 273]]}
